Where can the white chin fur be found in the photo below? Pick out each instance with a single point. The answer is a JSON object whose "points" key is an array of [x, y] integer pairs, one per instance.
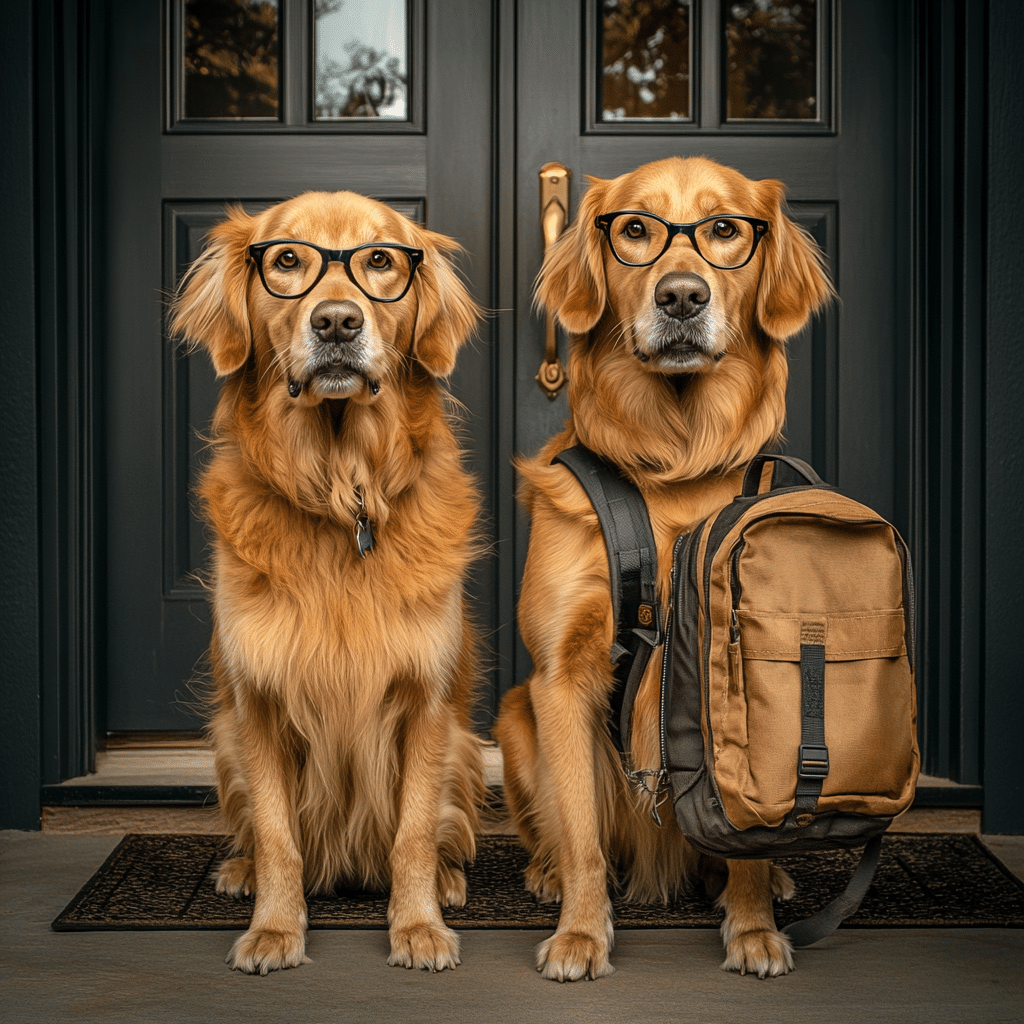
{"points": [[340, 384], [680, 361], [668, 346]]}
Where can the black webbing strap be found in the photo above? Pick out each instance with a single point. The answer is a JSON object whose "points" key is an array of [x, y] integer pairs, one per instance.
{"points": [[787, 471], [633, 573], [812, 770], [828, 919], [812, 765]]}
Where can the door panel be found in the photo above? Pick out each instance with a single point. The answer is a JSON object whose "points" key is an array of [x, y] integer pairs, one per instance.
{"points": [[193, 166], [168, 180], [841, 170]]}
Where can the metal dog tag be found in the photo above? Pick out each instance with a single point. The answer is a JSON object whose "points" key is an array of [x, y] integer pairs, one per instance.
{"points": [[364, 535]]}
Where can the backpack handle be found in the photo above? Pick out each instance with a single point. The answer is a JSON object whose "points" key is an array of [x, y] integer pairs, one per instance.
{"points": [[787, 471]]}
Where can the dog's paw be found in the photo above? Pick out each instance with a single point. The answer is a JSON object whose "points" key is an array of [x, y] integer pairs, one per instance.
{"points": [[766, 953], [544, 883], [236, 877], [260, 951], [451, 886], [424, 946], [783, 887], [571, 956]]}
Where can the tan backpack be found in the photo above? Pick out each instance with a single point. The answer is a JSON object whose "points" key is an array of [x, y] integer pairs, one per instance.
{"points": [[788, 705]]}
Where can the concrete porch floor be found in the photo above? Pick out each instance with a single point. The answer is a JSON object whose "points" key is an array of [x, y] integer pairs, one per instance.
{"points": [[932, 975]]}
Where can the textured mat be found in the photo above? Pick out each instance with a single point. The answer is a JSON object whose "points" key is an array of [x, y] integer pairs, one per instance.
{"points": [[163, 882]]}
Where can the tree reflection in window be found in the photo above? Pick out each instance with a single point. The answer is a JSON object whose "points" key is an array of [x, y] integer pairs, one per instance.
{"points": [[231, 56], [771, 60], [646, 60], [360, 59]]}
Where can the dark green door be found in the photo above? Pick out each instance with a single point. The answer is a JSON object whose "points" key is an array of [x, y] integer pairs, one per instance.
{"points": [[252, 101], [283, 97], [800, 90]]}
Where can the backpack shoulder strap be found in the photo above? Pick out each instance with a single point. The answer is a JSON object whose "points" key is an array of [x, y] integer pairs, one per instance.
{"points": [[633, 572]]}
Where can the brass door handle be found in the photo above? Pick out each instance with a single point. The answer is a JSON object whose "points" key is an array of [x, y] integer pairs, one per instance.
{"points": [[554, 216]]}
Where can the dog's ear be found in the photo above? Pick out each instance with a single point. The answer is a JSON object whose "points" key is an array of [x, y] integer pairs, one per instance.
{"points": [[447, 314], [571, 282], [210, 306], [793, 280]]}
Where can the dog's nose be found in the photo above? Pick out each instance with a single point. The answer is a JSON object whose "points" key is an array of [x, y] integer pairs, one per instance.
{"points": [[336, 322], [682, 295]]}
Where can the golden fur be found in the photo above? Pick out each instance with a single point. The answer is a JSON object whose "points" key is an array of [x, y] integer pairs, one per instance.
{"points": [[683, 436], [343, 685]]}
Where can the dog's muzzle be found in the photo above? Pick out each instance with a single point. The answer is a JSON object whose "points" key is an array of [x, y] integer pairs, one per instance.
{"points": [[684, 337], [337, 367]]}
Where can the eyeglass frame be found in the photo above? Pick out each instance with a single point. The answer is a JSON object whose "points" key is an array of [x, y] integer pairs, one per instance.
{"points": [[257, 250], [603, 222]]}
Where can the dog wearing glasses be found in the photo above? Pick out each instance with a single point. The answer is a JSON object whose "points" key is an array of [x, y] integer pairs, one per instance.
{"points": [[679, 284], [343, 659]]}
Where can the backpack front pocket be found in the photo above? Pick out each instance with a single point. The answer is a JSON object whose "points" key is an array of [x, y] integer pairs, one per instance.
{"points": [[868, 700]]}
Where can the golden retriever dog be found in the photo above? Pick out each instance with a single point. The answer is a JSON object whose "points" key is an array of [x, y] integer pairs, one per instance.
{"points": [[343, 659], [677, 374]]}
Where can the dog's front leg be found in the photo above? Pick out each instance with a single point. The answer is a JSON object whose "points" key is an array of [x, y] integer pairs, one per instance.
{"points": [[570, 733], [419, 936], [277, 933], [752, 942]]}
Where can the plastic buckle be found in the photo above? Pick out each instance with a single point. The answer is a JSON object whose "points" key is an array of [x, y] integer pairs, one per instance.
{"points": [[813, 762]]}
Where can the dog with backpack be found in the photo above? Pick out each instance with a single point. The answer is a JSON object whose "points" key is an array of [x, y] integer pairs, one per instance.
{"points": [[718, 674]]}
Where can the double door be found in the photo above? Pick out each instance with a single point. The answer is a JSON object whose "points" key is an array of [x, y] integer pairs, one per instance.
{"points": [[448, 111]]}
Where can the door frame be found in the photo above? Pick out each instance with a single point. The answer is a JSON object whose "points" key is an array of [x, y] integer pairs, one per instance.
{"points": [[961, 76]]}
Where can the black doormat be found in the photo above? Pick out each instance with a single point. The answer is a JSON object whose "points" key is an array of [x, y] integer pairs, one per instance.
{"points": [[163, 882]]}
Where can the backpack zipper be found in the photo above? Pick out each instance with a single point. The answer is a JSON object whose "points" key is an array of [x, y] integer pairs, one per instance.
{"points": [[666, 661], [666, 655], [737, 590]]}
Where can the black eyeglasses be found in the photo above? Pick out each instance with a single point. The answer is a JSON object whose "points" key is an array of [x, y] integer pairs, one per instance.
{"points": [[726, 241], [290, 268]]}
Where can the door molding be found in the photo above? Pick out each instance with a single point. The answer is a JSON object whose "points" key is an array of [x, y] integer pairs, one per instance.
{"points": [[70, 376], [947, 370], [20, 617], [1003, 719]]}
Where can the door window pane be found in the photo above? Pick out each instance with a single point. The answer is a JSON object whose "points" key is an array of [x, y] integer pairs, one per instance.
{"points": [[772, 60], [231, 57], [645, 60], [361, 59]]}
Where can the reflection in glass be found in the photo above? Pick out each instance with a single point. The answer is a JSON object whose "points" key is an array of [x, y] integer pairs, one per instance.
{"points": [[230, 59], [772, 60], [361, 59], [646, 60]]}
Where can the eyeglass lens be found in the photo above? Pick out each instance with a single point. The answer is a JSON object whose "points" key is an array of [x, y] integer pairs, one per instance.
{"points": [[723, 242], [291, 268]]}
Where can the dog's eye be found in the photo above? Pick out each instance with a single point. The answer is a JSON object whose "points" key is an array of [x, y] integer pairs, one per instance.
{"points": [[379, 260], [724, 229], [635, 229], [286, 260]]}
